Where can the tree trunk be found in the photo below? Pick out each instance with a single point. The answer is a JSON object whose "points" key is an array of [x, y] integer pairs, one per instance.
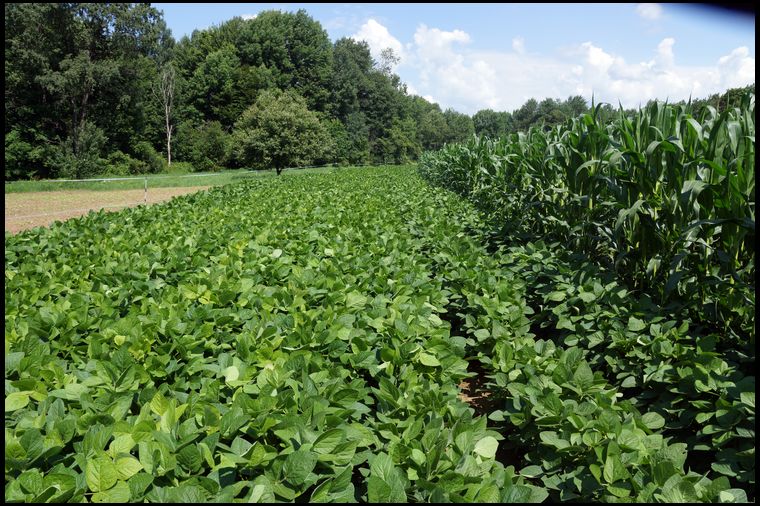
{"points": [[169, 145], [279, 170], [163, 90]]}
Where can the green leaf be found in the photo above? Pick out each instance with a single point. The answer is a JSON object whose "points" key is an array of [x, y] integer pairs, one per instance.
{"points": [[385, 483], [596, 471], [482, 334], [523, 494], [100, 474], [261, 491], [16, 400], [127, 466], [629, 382], [653, 420], [531, 471], [159, 404], [486, 447], [327, 441], [138, 484], [31, 481], [118, 494], [298, 465], [488, 494], [429, 360], [121, 444], [635, 325], [355, 300], [733, 495], [583, 376], [678, 490], [614, 469], [552, 439], [230, 374], [418, 457], [663, 471]]}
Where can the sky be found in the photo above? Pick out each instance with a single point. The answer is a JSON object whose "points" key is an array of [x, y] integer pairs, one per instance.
{"points": [[496, 56]]}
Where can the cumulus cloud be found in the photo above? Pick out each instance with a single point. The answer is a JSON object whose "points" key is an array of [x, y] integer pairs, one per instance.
{"points": [[248, 17], [737, 68], [651, 12], [378, 38], [441, 63], [518, 44], [665, 52]]}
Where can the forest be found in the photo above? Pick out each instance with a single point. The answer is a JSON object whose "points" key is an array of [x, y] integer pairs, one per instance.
{"points": [[95, 89]]}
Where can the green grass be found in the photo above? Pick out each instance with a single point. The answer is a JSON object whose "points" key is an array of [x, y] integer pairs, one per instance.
{"points": [[156, 180]]}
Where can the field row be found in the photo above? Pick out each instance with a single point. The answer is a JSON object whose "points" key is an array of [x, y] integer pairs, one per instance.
{"points": [[303, 338], [261, 341]]}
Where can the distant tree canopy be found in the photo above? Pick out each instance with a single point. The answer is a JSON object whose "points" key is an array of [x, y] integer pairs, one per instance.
{"points": [[81, 79], [279, 131]]}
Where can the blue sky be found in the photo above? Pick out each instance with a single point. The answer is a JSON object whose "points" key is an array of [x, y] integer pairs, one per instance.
{"points": [[477, 56]]}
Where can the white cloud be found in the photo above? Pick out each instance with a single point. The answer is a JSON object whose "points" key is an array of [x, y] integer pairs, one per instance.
{"points": [[440, 63], [665, 52], [651, 12], [737, 68], [518, 44], [378, 38], [249, 17]]}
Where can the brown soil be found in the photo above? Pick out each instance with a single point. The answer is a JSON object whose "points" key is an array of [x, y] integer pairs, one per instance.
{"points": [[474, 391], [35, 209]]}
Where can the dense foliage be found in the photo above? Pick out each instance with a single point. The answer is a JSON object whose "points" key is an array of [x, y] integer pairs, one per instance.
{"points": [[652, 230], [303, 338], [86, 83], [279, 131], [88, 86], [664, 199]]}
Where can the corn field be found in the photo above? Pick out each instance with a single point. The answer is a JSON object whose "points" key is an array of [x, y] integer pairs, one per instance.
{"points": [[665, 199]]}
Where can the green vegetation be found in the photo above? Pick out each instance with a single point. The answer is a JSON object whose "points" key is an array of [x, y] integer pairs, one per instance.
{"points": [[155, 180], [637, 239], [96, 89], [303, 338], [664, 199], [279, 131], [93, 89]]}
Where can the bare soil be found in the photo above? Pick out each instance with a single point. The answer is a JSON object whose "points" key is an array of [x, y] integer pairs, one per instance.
{"points": [[475, 392], [39, 209]]}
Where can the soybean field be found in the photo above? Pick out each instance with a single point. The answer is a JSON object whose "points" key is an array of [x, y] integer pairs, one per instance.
{"points": [[305, 339]]}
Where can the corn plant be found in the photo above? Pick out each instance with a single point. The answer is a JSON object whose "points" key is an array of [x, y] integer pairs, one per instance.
{"points": [[664, 198]]}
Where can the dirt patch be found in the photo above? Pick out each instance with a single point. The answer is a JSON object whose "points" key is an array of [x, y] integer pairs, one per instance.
{"points": [[38, 209], [475, 391]]}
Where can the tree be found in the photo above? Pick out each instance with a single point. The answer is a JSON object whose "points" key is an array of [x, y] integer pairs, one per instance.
{"points": [[575, 105], [402, 145], [433, 130], [526, 115], [212, 85], [205, 146], [490, 123], [72, 64], [279, 131], [75, 84], [163, 90], [388, 60], [296, 48], [459, 126], [352, 64]]}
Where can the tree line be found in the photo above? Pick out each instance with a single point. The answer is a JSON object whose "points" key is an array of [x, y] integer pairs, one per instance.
{"points": [[105, 88]]}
